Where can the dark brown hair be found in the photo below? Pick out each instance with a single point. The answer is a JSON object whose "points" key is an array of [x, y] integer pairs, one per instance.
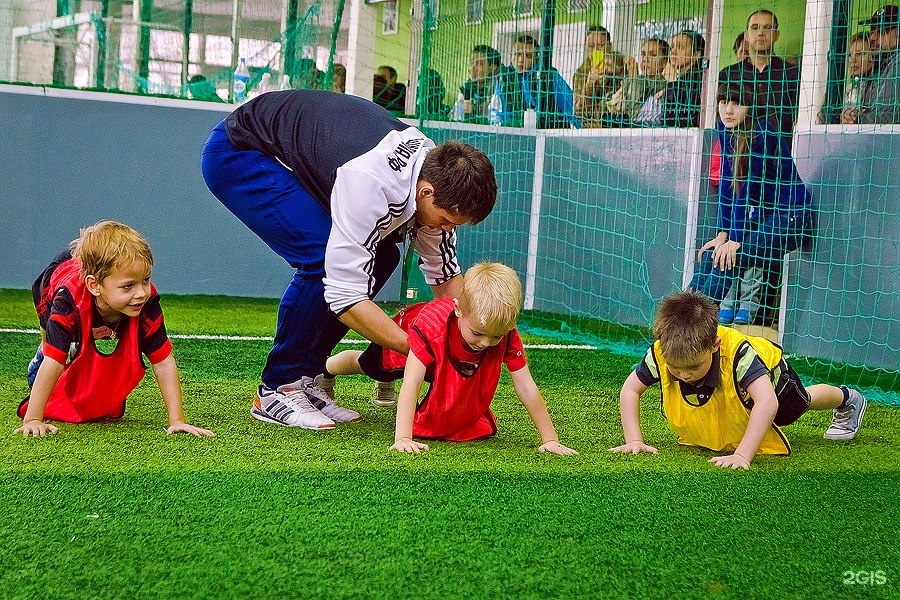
{"points": [[740, 93], [686, 325], [463, 180]]}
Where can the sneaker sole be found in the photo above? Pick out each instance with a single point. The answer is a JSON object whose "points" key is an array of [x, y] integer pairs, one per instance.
{"points": [[384, 403], [264, 418], [848, 436]]}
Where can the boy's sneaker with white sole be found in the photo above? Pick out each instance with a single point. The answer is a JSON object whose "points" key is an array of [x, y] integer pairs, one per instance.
{"points": [[326, 404], [846, 421], [289, 406], [383, 394]]}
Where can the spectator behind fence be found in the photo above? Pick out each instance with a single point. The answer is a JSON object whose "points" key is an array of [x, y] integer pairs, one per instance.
{"points": [[339, 79], [682, 95], [594, 91], [387, 92], [775, 82], [860, 78], [307, 76], [880, 97], [486, 72], [764, 208], [199, 88], [435, 91], [636, 100], [546, 92], [742, 302]]}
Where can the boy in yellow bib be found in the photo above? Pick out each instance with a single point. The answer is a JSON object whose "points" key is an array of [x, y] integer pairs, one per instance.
{"points": [[725, 391]]}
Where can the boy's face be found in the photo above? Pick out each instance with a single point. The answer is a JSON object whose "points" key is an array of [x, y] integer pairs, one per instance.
{"points": [[693, 369], [478, 337], [524, 57], [125, 290]]}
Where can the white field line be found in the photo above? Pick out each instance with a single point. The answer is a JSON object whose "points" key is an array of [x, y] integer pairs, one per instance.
{"points": [[253, 338]]}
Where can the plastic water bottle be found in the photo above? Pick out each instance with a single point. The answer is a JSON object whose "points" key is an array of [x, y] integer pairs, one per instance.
{"points": [[852, 97], [530, 119], [459, 108], [285, 82], [495, 107], [241, 77], [265, 83]]}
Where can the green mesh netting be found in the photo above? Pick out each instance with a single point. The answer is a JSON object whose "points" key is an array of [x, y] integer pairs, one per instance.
{"points": [[617, 175]]}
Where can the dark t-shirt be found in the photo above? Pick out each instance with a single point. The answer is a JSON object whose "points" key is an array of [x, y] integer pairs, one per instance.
{"points": [[776, 88], [311, 132]]}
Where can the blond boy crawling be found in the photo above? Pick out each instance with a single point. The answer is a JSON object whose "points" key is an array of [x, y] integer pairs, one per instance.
{"points": [[458, 345], [725, 391], [92, 297]]}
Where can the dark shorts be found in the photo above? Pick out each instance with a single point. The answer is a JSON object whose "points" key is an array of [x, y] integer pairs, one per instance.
{"points": [[793, 399], [372, 363]]}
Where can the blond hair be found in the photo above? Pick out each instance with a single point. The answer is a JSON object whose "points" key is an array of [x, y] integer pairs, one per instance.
{"points": [[108, 244], [491, 295], [686, 325]]}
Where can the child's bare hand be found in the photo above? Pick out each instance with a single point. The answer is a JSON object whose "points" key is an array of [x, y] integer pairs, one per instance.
{"points": [[732, 461], [35, 428], [634, 448], [408, 445], [556, 448], [181, 427]]}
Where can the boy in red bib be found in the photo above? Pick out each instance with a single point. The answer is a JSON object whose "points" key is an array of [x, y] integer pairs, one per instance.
{"points": [[458, 345], [726, 391], [98, 313]]}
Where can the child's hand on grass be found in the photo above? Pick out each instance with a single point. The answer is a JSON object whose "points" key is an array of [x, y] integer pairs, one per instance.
{"points": [[35, 428], [408, 445], [732, 461], [182, 427], [556, 448], [634, 448]]}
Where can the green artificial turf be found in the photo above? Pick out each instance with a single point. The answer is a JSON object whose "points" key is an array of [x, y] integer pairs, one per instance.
{"points": [[120, 510]]}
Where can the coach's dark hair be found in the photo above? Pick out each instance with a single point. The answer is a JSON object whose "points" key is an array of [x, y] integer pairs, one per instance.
{"points": [[490, 53], [463, 180], [686, 325]]}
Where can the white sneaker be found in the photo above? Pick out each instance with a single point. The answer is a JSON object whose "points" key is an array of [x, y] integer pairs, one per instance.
{"points": [[383, 394], [288, 406], [846, 421], [325, 384], [326, 405]]}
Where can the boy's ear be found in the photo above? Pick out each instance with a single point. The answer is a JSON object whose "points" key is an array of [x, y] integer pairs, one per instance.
{"points": [[456, 308], [92, 284], [717, 343]]}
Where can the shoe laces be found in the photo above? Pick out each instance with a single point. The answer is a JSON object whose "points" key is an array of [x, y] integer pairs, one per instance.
{"points": [[316, 395], [842, 417], [295, 397]]}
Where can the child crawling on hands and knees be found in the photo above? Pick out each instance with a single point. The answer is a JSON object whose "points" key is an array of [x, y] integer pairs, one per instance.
{"points": [[99, 314], [458, 346], [726, 391]]}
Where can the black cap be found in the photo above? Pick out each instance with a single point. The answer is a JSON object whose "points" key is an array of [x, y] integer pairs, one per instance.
{"points": [[886, 17]]}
